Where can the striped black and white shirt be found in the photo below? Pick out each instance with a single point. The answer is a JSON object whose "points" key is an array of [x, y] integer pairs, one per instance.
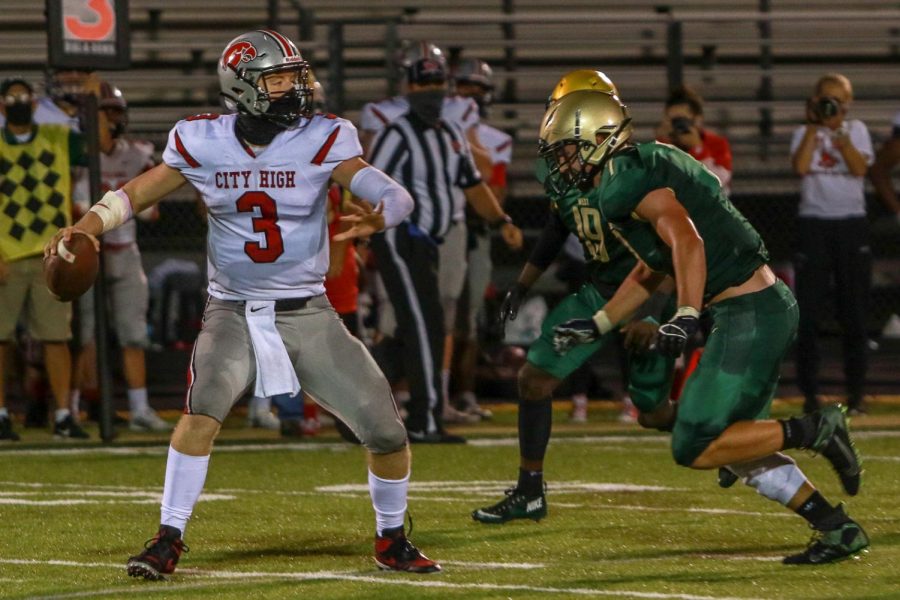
{"points": [[434, 164]]}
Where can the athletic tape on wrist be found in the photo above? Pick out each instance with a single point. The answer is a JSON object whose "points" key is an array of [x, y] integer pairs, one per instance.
{"points": [[687, 311], [601, 320], [114, 208]]}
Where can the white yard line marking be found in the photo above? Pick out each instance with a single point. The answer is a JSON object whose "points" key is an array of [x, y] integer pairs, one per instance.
{"points": [[564, 487], [124, 591], [492, 565], [385, 579], [606, 440]]}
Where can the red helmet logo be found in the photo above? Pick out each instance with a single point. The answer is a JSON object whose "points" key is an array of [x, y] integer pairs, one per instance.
{"points": [[237, 53]]}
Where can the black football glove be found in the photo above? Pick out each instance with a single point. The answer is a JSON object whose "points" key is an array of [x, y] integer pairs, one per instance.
{"points": [[674, 335], [573, 332], [509, 308]]}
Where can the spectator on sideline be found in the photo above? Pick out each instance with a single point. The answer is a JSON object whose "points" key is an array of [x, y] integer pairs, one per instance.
{"points": [[682, 126], [121, 159], [832, 154], [35, 203]]}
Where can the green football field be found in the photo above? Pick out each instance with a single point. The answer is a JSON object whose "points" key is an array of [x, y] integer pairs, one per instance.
{"points": [[292, 520]]}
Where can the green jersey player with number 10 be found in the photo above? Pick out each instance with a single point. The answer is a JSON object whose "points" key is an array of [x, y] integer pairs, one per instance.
{"points": [[672, 214], [609, 263]]}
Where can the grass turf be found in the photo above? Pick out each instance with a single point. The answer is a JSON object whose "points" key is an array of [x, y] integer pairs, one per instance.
{"points": [[285, 520]]}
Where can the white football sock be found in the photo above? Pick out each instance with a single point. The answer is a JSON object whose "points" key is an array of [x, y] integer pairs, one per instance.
{"points": [[4, 413], [185, 476], [388, 500], [137, 401], [60, 415]]}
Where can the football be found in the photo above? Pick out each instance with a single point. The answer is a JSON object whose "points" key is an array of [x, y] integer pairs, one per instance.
{"points": [[72, 270]]}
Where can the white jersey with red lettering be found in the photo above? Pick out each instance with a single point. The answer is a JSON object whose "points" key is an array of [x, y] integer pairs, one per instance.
{"points": [[498, 144], [268, 236], [128, 159], [456, 109]]}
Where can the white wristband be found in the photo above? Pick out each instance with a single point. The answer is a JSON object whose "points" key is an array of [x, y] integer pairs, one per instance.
{"points": [[114, 208], [601, 320], [687, 311]]}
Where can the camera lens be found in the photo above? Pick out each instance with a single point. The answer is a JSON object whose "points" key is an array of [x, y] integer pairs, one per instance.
{"points": [[828, 107], [682, 125]]}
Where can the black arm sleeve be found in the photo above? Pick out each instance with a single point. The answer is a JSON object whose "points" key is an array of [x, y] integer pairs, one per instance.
{"points": [[550, 242]]}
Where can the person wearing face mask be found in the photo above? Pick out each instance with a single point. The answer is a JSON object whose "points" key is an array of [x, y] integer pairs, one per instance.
{"points": [[682, 126], [832, 155], [422, 262], [35, 198], [121, 158]]}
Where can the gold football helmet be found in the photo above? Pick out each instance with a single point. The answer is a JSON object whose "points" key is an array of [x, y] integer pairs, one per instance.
{"points": [[582, 79], [579, 133]]}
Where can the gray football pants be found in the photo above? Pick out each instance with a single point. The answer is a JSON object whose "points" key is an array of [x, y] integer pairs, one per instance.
{"points": [[333, 367]]}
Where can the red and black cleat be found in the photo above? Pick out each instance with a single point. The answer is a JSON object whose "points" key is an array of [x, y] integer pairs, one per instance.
{"points": [[160, 555], [394, 552]]}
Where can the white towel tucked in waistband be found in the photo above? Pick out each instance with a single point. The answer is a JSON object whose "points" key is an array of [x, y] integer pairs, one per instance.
{"points": [[274, 371]]}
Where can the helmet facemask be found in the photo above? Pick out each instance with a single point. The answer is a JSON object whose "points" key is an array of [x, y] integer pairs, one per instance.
{"points": [[579, 134], [280, 108]]}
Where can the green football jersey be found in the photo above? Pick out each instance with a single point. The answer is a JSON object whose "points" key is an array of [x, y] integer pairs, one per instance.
{"points": [[608, 261], [734, 249]]}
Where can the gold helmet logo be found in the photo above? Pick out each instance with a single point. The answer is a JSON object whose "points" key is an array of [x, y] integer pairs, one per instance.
{"points": [[579, 133], [582, 80]]}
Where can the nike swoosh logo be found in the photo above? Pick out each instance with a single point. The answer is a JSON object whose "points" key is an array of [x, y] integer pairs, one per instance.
{"points": [[257, 309]]}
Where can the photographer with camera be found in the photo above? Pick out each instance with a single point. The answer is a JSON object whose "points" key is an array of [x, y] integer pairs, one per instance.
{"points": [[682, 126], [832, 155]]}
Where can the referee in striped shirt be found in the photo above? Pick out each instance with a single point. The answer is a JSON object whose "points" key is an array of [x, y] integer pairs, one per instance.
{"points": [[432, 160]]}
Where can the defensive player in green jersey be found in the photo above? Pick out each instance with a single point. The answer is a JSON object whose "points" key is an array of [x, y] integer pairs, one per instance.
{"points": [[670, 211], [649, 373]]}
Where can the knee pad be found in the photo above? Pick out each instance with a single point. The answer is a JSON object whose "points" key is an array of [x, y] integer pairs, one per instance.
{"points": [[776, 477], [387, 440]]}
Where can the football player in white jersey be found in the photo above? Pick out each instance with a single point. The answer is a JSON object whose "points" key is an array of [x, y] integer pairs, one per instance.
{"points": [[121, 160], [263, 174], [474, 79]]}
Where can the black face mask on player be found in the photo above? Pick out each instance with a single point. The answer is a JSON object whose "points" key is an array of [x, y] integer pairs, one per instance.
{"points": [[260, 130], [19, 113]]}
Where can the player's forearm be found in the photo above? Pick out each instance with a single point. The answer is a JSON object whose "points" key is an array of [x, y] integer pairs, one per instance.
{"points": [[151, 186], [529, 275], [485, 204], [376, 188], [90, 223], [632, 294], [689, 259]]}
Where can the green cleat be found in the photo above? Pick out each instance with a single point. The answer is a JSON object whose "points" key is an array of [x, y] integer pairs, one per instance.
{"points": [[846, 541], [516, 505], [834, 443]]}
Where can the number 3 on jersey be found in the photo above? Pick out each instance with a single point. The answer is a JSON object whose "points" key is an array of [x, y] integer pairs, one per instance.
{"points": [[267, 223]]}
